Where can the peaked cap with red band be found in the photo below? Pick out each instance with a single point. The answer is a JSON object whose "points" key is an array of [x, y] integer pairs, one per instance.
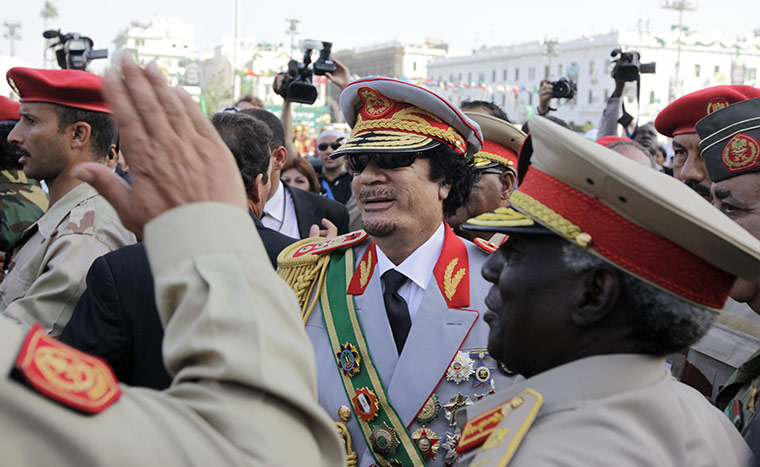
{"points": [[8, 110], [607, 141], [502, 142], [643, 222], [680, 116], [72, 88], [392, 116]]}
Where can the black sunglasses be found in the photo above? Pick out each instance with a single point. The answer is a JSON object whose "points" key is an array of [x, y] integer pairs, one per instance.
{"points": [[335, 144], [356, 163]]}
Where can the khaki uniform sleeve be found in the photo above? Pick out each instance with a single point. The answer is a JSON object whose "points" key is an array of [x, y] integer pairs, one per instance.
{"points": [[52, 296], [244, 389]]}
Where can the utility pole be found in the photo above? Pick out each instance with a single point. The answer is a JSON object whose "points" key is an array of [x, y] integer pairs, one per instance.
{"points": [[292, 29], [680, 6], [550, 52], [235, 76], [12, 32]]}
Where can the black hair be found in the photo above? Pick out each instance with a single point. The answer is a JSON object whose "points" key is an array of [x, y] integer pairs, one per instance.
{"points": [[493, 109], [248, 140], [456, 170], [101, 126], [271, 120], [8, 154]]}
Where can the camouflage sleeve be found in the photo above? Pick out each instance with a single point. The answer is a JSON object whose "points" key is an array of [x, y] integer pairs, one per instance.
{"points": [[54, 293], [17, 212]]}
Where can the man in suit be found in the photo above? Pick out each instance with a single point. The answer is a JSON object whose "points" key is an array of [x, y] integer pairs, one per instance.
{"points": [[117, 318], [401, 307], [610, 268], [227, 404], [288, 210]]}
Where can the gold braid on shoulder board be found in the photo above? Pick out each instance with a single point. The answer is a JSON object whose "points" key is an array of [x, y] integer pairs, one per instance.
{"points": [[303, 274], [303, 265]]}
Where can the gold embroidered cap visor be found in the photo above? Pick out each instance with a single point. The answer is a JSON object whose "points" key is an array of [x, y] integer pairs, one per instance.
{"points": [[385, 141]]}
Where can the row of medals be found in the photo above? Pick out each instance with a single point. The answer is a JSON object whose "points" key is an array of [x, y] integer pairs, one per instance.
{"points": [[462, 368]]}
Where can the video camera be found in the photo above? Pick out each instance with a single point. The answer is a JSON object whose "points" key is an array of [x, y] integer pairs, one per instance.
{"points": [[295, 84], [564, 88], [628, 66], [74, 51]]}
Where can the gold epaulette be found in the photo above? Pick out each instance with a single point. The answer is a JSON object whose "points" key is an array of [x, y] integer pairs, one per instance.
{"points": [[303, 265]]}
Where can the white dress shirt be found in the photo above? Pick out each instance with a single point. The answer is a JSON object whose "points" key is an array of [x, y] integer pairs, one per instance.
{"points": [[418, 267], [280, 213]]}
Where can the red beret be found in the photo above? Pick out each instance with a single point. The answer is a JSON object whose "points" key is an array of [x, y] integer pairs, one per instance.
{"points": [[680, 116], [8, 110], [73, 88], [610, 140]]}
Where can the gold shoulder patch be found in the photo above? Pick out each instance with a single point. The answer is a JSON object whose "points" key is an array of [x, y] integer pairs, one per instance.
{"points": [[65, 374], [303, 265], [500, 431]]}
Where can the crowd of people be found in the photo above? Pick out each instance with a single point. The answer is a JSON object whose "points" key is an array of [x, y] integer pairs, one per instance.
{"points": [[438, 286]]}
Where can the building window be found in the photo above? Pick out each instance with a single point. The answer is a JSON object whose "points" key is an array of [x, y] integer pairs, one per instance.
{"points": [[590, 96], [481, 78], [606, 95], [517, 74], [460, 77], [559, 70], [505, 74], [752, 74], [651, 97], [697, 70], [493, 76], [717, 69], [591, 68], [546, 71], [414, 66], [469, 77], [532, 73], [530, 98]]}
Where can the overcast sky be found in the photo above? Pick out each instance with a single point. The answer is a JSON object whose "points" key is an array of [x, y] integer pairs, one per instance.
{"points": [[347, 24]]}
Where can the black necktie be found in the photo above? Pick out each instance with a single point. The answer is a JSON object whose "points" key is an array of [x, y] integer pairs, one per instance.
{"points": [[395, 306]]}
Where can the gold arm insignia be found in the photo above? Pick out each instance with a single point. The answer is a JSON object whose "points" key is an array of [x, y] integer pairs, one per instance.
{"points": [[451, 280]]}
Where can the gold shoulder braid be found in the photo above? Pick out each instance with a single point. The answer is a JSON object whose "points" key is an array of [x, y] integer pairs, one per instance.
{"points": [[303, 265]]}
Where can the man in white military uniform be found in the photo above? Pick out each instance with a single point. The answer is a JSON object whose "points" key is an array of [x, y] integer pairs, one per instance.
{"points": [[228, 403], [397, 321], [606, 236]]}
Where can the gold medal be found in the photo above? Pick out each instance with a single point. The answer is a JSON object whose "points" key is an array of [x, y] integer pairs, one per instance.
{"points": [[348, 359], [429, 411], [366, 405], [384, 440], [454, 404]]}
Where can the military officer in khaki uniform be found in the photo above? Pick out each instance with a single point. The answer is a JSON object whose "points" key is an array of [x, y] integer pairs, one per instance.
{"points": [[636, 267], [244, 389], [395, 313], [64, 121], [730, 147], [736, 334], [496, 167]]}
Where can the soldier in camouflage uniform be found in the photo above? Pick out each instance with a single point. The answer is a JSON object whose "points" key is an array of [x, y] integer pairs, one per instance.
{"points": [[22, 200], [64, 121]]}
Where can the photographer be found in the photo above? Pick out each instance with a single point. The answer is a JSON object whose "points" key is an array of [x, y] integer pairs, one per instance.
{"points": [[611, 116]]}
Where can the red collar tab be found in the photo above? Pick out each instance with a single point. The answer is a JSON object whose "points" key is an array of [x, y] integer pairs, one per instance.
{"points": [[452, 271], [485, 245], [363, 272], [630, 246], [65, 374]]}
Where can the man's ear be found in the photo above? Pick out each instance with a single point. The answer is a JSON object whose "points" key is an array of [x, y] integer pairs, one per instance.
{"points": [[81, 134], [598, 294], [279, 157], [112, 158], [255, 194], [507, 180]]}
